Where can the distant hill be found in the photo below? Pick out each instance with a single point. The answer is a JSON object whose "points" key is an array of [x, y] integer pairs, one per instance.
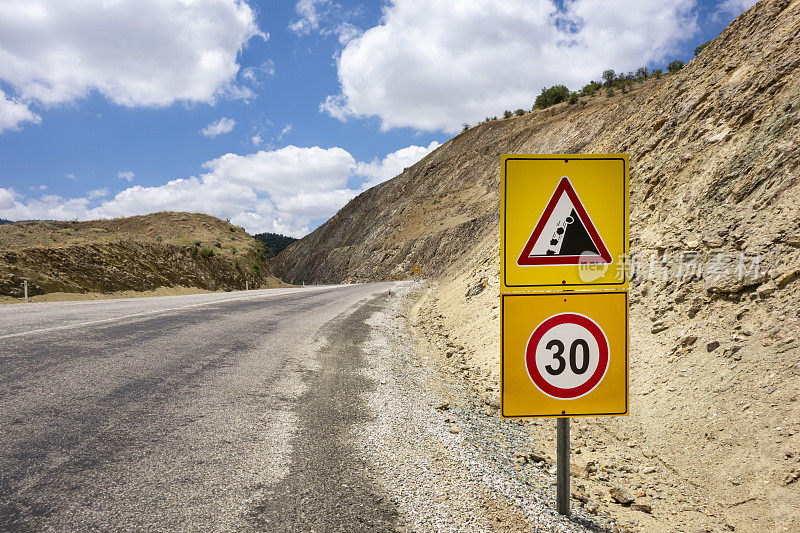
{"points": [[274, 243], [140, 253], [4, 221]]}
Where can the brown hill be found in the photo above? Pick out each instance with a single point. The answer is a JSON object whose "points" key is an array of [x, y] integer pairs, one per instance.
{"points": [[138, 253], [714, 432]]}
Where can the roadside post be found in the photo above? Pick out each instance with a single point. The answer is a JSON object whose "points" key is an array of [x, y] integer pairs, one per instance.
{"points": [[564, 292], [415, 272], [246, 285], [562, 466], [25, 288]]}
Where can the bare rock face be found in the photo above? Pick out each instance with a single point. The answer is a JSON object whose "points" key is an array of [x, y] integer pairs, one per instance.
{"points": [[714, 153]]}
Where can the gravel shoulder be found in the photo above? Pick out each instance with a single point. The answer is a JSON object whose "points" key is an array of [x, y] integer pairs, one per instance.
{"points": [[446, 459]]}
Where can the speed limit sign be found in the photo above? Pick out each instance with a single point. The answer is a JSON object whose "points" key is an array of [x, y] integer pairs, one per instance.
{"points": [[567, 356], [564, 354]]}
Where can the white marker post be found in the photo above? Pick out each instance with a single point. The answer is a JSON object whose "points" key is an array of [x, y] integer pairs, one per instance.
{"points": [[246, 285], [25, 285]]}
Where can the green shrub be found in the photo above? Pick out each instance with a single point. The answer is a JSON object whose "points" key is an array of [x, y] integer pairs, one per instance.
{"points": [[206, 252], [465, 127], [701, 48], [573, 98], [642, 74], [218, 244], [519, 112], [675, 66], [609, 75], [610, 92], [197, 243], [551, 96], [657, 73], [591, 88], [507, 114]]}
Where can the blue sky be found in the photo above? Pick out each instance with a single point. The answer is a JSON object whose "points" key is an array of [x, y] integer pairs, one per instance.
{"points": [[275, 113]]}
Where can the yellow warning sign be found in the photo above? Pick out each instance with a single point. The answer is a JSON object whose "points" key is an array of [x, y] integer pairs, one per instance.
{"points": [[564, 354], [564, 222]]}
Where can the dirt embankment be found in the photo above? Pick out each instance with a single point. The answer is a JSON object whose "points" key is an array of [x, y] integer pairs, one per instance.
{"points": [[713, 439], [138, 254]]}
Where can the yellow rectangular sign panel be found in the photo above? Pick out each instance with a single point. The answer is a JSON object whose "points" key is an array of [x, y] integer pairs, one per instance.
{"points": [[564, 222], [564, 354]]}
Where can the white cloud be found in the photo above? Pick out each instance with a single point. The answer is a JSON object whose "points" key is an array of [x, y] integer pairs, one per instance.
{"points": [[126, 175], [97, 193], [256, 140], [393, 164], [70, 176], [142, 53], [288, 190], [347, 32], [309, 16], [433, 64], [256, 74], [13, 113], [221, 126], [736, 6]]}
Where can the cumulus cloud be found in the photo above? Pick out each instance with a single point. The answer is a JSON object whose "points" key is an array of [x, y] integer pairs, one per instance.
{"points": [[288, 190], [221, 126], [13, 113], [393, 164], [736, 6], [126, 175], [142, 53], [433, 64]]}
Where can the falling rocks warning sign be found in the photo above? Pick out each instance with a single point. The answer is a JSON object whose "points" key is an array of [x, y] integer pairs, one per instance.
{"points": [[564, 222]]}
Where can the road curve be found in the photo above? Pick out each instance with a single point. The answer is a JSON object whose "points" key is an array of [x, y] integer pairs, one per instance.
{"points": [[204, 412]]}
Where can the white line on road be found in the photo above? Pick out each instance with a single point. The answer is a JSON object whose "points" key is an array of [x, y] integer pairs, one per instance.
{"points": [[250, 296]]}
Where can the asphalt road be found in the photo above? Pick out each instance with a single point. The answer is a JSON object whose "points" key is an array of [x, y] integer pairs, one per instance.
{"points": [[204, 412]]}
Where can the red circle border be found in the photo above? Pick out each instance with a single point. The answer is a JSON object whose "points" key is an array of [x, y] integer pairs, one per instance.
{"points": [[589, 384]]}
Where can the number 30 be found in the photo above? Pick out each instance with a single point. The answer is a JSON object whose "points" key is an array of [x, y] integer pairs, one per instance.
{"points": [[573, 357]]}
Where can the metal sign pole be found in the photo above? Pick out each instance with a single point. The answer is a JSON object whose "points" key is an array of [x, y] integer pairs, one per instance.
{"points": [[26, 291], [562, 466]]}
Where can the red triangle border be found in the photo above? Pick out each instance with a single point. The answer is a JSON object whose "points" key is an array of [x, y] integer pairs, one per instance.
{"points": [[524, 258]]}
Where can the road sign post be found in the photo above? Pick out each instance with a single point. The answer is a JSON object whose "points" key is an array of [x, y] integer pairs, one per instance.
{"points": [[564, 298], [562, 466]]}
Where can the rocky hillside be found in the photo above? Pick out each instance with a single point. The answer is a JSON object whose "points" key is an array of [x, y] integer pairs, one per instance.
{"points": [[139, 253], [713, 438]]}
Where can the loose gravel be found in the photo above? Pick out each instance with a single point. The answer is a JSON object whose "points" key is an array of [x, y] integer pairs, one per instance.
{"points": [[448, 462]]}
